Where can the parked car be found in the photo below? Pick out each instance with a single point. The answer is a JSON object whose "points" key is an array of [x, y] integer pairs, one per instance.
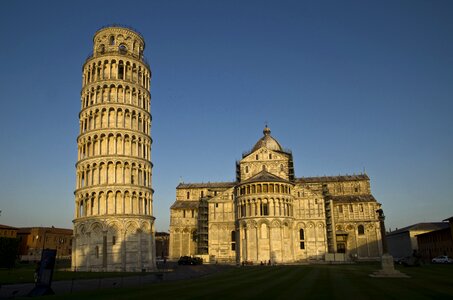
{"points": [[197, 261], [443, 259], [187, 260], [398, 260]]}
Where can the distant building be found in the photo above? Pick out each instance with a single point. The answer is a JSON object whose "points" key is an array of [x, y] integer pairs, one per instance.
{"points": [[403, 242], [34, 239], [269, 215], [8, 231], [437, 242], [450, 220], [162, 244]]}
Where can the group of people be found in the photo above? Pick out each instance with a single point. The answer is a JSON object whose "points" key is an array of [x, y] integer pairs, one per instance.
{"points": [[268, 263], [262, 263]]}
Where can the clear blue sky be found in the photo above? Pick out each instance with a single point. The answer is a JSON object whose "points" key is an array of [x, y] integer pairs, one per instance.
{"points": [[346, 85]]}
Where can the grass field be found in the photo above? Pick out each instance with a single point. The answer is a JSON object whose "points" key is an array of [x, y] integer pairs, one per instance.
{"points": [[25, 273], [294, 282]]}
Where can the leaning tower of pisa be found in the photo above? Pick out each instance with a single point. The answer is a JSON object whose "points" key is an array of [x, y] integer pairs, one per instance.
{"points": [[113, 222]]}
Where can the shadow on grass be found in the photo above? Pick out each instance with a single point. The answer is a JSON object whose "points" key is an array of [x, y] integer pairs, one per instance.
{"points": [[294, 282], [24, 273]]}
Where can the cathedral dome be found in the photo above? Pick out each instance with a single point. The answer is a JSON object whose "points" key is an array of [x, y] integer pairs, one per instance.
{"points": [[267, 141]]}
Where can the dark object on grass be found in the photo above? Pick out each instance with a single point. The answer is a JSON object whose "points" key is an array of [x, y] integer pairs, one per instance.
{"points": [[45, 273]]}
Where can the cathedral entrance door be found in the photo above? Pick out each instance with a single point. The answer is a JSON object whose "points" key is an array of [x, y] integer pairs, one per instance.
{"points": [[341, 248], [341, 243]]}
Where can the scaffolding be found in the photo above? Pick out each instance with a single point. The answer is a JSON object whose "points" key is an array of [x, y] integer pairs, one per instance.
{"points": [[330, 226], [202, 226]]}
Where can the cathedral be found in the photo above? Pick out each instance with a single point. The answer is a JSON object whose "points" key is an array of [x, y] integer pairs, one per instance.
{"points": [[268, 215]]}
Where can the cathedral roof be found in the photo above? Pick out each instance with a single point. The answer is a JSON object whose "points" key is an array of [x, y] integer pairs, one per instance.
{"points": [[353, 198], [185, 204], [206, 185], [264, 176], [338, 178], [267, 141]]}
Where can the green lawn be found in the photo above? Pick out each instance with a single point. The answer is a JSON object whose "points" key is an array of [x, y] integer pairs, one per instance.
{"points": [[25, 273], [294, 282]]}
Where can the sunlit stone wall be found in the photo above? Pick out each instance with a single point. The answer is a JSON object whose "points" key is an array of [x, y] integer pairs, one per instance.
{"points": [[113, 220], [270, 216]]}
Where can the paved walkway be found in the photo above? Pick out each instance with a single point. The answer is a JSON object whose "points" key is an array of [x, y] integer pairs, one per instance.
{"points": [[69, 286]]}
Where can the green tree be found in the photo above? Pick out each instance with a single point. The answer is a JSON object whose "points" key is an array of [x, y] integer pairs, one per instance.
{"points": [[8, 251]]}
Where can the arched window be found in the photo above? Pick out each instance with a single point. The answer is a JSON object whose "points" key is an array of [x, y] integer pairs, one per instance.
{"points": [[302, 238], [188, 195], [265, 210], [120, 70], [246, 169], [270, 155], [233, 241], [361, 229], [301, 234], [256, 157], [112, 40], [122, 49]]}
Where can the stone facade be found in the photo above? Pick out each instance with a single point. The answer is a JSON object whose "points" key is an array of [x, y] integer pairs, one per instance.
{"points": [[8, 231], [162, 244], [34, 239], [114, 223], [435, 243], [269, 215]]}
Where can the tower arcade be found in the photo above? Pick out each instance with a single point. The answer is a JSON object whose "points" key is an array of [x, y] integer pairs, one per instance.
{"points": [[113, 221]]}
